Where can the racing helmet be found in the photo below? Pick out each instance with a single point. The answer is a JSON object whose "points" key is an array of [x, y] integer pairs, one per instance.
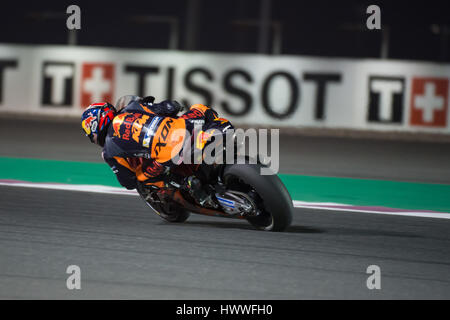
{"points": [[95, 120]]}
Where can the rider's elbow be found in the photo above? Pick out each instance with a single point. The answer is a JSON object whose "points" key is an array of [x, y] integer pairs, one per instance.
{"points": [[129, 184]]}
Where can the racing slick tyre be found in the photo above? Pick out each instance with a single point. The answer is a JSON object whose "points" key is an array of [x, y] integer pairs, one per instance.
{"points": [[268, 192]]}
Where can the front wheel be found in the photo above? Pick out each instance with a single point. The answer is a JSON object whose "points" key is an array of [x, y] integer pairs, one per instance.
{"points": [[170, 212], [274, 204]]}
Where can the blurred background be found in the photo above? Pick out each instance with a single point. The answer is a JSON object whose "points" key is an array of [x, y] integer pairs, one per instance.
{"points": [[411, 30], [363, 147]]}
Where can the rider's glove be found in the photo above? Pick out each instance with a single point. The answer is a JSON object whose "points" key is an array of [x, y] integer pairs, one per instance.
{"points": [[152, 168]]}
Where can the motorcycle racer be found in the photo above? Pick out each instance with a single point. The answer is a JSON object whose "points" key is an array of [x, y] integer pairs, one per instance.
{"points": [[140, 139]]}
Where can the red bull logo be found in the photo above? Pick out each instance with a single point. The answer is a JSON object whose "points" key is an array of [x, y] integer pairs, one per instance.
{"points": [[87, 126]]}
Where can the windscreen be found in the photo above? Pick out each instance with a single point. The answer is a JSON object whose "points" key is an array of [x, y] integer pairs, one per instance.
{"points": [[125, 100]]}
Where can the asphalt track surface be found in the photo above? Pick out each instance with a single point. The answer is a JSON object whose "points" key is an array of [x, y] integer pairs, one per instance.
{"points": [[126, 251]]}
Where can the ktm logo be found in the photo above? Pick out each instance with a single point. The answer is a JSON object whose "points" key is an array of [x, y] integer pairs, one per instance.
{"points": [[162, 140]]}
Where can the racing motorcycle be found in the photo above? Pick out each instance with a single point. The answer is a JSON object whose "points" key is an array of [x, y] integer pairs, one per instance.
{"points": [[238, 191]]}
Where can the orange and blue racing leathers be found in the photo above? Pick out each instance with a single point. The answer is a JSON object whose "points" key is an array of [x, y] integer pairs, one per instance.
{"points": [[143, 139]]}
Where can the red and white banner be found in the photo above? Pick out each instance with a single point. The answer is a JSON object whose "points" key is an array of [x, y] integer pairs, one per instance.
{"points": [[279, 91], [97, 83]]}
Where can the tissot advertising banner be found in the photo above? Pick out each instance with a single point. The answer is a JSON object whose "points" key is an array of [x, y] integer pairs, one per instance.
{"points": [[279, 91]]}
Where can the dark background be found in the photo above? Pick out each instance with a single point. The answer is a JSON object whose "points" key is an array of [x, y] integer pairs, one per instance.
{"points": [[417, 30]]}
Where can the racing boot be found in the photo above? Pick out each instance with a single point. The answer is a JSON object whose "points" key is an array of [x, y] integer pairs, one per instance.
{"points": [[196, 190]]}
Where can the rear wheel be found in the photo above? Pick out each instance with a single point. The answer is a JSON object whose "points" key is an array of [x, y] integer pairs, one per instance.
{"points": [[273, 202]]}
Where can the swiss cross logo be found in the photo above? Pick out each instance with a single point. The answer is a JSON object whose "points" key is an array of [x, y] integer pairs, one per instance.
{"points": [[429, 102], [97, 83]]}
